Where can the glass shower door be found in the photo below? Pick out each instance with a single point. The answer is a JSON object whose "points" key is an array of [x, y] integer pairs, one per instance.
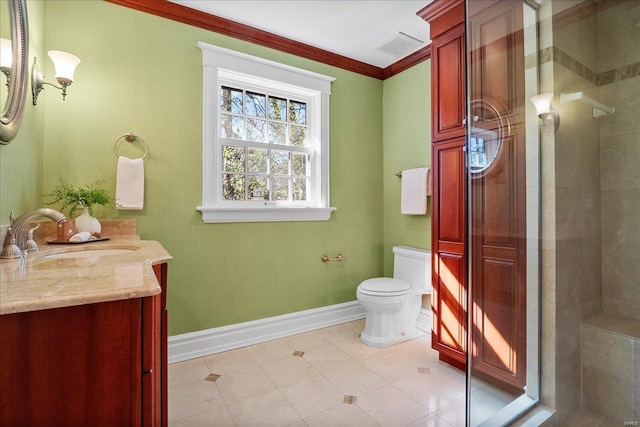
{"points": [[502, 154]]}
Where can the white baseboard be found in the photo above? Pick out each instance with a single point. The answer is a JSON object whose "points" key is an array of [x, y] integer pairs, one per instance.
{"points": [[210, 341], [214, 340]]}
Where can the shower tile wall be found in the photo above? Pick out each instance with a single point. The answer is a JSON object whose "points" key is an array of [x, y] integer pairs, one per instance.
{"points": [[577, 185], [619, 57]]}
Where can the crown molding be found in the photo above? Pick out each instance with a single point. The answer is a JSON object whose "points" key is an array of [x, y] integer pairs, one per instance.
{"points": [[196, 18]]}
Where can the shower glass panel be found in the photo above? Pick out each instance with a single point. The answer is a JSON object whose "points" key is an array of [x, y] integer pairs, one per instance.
{"points": [[503, 169]]}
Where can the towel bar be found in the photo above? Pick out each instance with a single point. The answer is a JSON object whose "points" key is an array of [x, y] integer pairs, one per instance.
{"points": [[130, 137]]}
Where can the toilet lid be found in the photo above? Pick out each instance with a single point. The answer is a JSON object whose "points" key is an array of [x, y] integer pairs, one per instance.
{"points": [[384, 286]]}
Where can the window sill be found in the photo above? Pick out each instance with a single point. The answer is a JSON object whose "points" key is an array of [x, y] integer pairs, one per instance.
{"points": [[215, 215]]}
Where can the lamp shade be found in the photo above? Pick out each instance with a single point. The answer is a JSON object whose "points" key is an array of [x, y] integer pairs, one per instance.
{"points": [[542, 103], [65, 64], [6, 53]]}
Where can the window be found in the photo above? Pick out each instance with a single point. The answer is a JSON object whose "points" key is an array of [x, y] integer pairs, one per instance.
{"points": [[265, 140]]}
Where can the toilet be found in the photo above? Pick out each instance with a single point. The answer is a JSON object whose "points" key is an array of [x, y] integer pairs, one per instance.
{"points": [[393, 304]]}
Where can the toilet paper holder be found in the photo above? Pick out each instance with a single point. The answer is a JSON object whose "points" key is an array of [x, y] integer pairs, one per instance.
{"points": [[338, 257]]}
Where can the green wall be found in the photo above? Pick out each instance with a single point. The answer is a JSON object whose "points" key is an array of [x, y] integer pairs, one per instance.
{"points": [[142, 74], [407, 145]]}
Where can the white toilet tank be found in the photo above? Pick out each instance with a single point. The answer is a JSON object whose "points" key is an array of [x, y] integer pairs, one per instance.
{"points": [[413, 266]]}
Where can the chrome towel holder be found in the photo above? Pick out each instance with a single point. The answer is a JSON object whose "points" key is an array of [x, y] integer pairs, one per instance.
{"points": [[131, 138]]}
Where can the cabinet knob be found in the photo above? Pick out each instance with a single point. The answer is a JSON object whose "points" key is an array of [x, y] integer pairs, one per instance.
{"points": [[147, 371]]}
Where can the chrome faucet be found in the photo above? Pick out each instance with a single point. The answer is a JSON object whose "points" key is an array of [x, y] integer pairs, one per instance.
{"points": [[20, 226]]}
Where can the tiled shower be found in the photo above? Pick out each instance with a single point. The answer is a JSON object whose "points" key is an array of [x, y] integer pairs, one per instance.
{"points": [[595, 187]]}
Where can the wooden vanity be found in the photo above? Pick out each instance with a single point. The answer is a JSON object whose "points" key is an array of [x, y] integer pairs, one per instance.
{"points": [[83, 341]]}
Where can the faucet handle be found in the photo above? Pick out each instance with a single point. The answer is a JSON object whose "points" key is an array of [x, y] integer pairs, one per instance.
{"points": [[32, 246], [11, 250]]}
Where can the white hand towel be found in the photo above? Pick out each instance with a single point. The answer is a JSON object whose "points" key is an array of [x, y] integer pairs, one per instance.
{"points": [[413, 200], [130, 183], [83, 236]]}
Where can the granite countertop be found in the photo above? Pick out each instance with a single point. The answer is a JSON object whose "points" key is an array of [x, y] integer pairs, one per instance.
{"points": [[116, 269]]}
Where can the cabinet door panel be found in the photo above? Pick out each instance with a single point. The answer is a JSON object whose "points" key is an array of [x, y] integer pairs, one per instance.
{"points": [[447, 85], [72, 366], [449, 251]]}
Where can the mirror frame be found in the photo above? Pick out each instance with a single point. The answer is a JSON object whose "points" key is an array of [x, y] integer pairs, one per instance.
{"points": [[13, 111]]}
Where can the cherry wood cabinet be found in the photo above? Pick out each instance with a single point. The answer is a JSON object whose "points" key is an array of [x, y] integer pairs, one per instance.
{"points": [[488, 240], [100, 364], [449, 232], [449, 221], [498, 196]]}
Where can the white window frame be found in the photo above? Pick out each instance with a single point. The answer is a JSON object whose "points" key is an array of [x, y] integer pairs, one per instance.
{"points": [[225, 67]]}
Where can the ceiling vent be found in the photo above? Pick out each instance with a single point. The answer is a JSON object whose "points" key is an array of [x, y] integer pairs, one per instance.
{"points": [[400, 45]]}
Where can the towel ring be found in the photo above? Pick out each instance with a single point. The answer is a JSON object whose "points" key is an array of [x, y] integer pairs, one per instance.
{"points": [[130, 137]]}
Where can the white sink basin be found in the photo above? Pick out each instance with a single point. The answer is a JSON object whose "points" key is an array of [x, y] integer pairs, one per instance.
{"points": [[90, 253]]}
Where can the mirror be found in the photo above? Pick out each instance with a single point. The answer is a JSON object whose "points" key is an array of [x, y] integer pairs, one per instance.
{"points": [[11, 116]]}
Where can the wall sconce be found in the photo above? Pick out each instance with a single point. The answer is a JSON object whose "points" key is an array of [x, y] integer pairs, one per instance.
{"points": [[544, 110], [65, 64], [6, 57]]}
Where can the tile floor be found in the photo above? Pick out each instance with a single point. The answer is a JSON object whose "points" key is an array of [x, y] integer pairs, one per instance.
{"points": [[324, 378]]}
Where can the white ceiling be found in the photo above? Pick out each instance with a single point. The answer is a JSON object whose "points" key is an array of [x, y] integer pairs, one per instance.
{"points": [[352, 28]]}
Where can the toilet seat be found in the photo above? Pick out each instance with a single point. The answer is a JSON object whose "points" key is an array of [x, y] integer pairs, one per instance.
{"points": [[384, 287]]}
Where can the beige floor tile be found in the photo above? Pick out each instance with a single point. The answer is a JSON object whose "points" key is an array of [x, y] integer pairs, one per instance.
{"points": [[192, 399], [187, 372], [312, 396], [431, 392], [307, 342], [341, 415], [218, 417], [290, 370], [360, 351], [356, 325], [270, 351], [230, 361], [448, 373], [268, 409], [417, 352], [390, 407], [431, 420], [338, 333], [328, 358], [240, 385], [454, 412], [355, 379], [390, 367]]}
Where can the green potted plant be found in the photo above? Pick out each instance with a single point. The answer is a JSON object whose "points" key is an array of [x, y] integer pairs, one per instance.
{"points": [[67, 196]]}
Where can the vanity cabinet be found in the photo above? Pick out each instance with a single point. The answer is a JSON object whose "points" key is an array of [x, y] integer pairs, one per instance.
{"points": [[101, 364]]}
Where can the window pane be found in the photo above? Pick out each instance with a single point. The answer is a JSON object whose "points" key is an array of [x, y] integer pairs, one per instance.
{"points": [[280, 188], [277, 132], [256, 130], [231, 100], [280, 162], [231, 126], [299, 190], [300, 164], [232, 159], [226, 126], [256, 104], [257, 188], [277, 108], [298, 135], [258, 160], [298, 112], [232, 186]]}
